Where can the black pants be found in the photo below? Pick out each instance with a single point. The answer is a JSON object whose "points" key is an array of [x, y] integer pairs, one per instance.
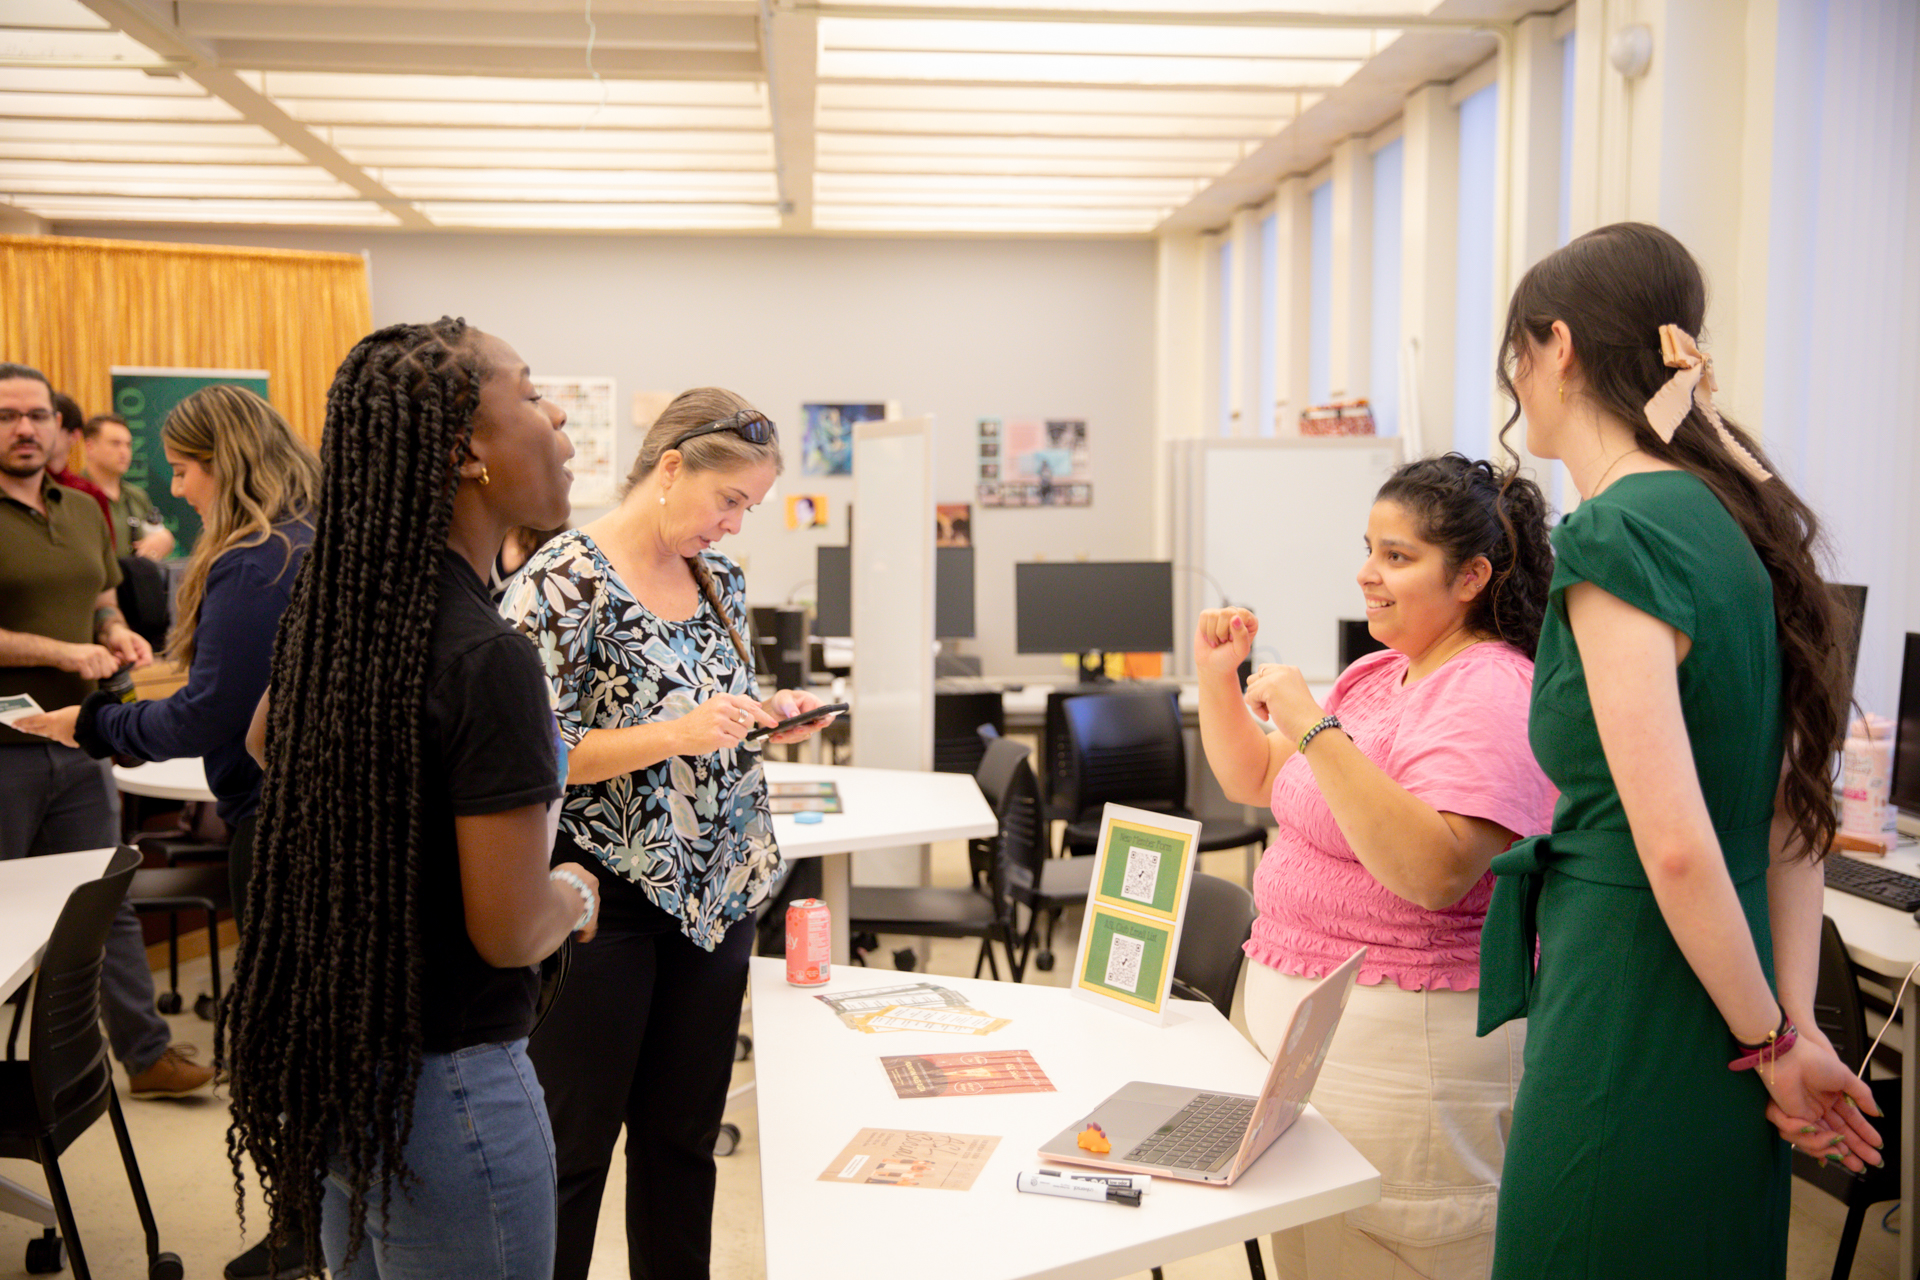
{"points": [[642, 1034]]}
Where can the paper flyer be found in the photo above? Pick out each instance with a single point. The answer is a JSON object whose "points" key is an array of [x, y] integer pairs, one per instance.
{"points": [[942, 1075], [912, 1158], [853, 1003], [945, 1021]]}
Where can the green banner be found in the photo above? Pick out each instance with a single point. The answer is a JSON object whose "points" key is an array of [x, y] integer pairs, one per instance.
{"points": [[144, 397]]}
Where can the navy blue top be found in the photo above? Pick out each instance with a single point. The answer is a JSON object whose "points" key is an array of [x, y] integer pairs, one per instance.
{"points": [[247, 591]]}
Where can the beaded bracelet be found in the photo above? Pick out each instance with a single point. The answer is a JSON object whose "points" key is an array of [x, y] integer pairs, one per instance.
{"points": [[1330, 722], [589, 899]]}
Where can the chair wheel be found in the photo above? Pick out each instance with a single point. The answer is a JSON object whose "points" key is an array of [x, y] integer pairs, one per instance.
{"points": [[47, 1254], [165, 1266], [203, 1007], [168, 1002], [1044, 962], [729, 1140], [742, 1047]]}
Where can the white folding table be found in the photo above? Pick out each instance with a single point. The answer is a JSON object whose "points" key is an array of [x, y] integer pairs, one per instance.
{"points": [[820, 1082]]}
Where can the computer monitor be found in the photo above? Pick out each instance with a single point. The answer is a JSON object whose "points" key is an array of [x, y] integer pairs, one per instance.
{"points": [[1906, 740], [833, 591], [953, 593], [1090, 606], [1852, 600]]}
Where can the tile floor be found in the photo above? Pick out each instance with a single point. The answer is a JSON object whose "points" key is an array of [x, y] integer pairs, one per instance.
{"points": [[182, 1151]]}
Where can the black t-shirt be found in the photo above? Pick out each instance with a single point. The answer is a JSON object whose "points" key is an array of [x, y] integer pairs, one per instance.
{"points": [[490, 743]]}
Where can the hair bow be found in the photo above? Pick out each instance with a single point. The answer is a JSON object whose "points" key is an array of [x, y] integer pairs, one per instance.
{"points": [[1692, 386]]}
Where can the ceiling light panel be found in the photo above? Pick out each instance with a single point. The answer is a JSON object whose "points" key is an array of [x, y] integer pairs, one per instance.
{"points": [[59, 45], [32, 14], [1233, 104], [1003, 221], [612, 217], [317, 86], [315, 213], [1351, 10], [1079, 39], [1058, 68], [111, 106], [586, 186]]}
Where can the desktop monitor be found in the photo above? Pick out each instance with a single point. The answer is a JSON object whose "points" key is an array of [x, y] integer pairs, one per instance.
{"points": [[833, 591], [953, 593], [1852, 600], [1083, 606], [1906, 741]]}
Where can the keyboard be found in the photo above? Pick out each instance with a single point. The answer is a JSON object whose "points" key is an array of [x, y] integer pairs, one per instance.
{"points": [[1201, 1136], [1883, 885]]}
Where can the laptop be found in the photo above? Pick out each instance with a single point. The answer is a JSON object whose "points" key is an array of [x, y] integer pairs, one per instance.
{"points": [[1198, 1136]]}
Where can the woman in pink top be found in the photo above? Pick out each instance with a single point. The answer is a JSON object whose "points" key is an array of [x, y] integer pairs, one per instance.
{"points": [[1391, 801]]}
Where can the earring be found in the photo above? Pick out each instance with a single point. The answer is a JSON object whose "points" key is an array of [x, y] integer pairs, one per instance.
{"points": [[663, 499], [1563, 391], [484, 477]]}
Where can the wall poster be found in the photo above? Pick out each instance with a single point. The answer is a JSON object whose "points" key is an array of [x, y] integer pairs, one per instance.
{"points": [[826, 437], [1034, 462], [144, 397], [589, 407]]}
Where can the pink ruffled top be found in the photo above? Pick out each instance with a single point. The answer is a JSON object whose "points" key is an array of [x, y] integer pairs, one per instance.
{"points": [[1456, 739]]}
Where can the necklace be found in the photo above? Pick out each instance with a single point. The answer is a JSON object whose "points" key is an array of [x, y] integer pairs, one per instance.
{"points": [[1601, 482]]}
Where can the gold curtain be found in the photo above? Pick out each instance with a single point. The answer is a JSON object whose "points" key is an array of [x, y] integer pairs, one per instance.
{"points": [[75, 308]]}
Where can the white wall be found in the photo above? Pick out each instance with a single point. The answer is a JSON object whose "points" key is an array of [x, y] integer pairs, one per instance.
{"points": [[959, 329]]}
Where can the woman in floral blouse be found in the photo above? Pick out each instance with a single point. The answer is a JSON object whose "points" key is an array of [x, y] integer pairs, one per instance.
{"points": [[640, 627]]}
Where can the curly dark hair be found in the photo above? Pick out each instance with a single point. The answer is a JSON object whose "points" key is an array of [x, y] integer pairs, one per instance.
{"points": [[324, 1024], [1469, 509], [1613, 288]]}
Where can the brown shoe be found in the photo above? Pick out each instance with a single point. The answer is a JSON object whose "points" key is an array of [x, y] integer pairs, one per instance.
{"points": [[175, 1075]]}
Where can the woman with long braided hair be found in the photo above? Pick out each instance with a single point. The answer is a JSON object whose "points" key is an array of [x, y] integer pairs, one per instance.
{"points": [[383, 994]]}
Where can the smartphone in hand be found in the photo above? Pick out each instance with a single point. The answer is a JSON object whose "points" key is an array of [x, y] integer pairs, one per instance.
{"points": [[794, 722]]}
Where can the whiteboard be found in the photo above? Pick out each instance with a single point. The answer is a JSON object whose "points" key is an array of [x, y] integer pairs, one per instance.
{"points": [[1278, 527]]}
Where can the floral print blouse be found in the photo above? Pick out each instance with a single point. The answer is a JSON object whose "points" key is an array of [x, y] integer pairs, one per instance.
{"points": [[692, 831]]}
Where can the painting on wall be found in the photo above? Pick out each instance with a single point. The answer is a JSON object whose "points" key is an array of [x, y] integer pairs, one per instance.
{"points": [[1033, 462], [953, 524], [826, 439], [588, 403], [806, 510]]}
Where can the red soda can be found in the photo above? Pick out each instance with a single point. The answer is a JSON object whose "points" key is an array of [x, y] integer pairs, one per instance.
{"points": [[809, 943]]}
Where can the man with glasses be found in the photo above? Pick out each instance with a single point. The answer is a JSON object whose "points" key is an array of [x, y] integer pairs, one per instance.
{"points": [[60, 635]]}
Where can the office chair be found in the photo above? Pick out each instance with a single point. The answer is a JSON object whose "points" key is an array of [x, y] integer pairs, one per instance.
{"points": [[1043, 884], [1838, 1010], [982, 909], [957, 717], [1130, 749], [1219, 920], [204, 887], [66, 1082]]}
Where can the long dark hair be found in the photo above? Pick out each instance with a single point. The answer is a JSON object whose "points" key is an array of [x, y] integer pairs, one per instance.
{"points": [[1613, 288], [1468, 509], [325, 1019]]}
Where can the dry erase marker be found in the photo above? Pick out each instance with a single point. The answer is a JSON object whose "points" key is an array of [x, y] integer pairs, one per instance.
{"points": [[1141, 1182], [1067, 1188]]}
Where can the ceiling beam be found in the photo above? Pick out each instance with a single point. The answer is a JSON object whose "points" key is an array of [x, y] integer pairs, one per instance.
{"points": [[254, 107], [792, 49]]}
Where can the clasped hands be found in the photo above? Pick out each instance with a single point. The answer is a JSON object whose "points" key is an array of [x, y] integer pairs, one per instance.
{"points": [[1276, 693], [1820, 1106]]}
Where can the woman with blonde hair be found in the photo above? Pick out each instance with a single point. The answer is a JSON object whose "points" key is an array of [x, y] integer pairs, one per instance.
{"points": [[640, 624]]}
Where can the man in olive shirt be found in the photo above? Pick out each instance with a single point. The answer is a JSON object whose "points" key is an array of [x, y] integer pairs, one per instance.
{"points": [[109, 448], [60, 634]]}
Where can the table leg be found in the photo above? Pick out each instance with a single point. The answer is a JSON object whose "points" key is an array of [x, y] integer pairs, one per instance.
{"points": [[19, 1202], [1909, 1100], [836, 874]]}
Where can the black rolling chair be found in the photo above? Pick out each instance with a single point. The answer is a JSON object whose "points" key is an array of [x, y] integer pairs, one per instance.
{"points": [[204, 887], [980, 910], [1838, 1010], [66, 1082], [958, 746], [1043, 884], [1129, 748], [1220, 917]]}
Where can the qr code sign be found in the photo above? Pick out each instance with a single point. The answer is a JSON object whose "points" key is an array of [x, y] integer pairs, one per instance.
{"points": [[1143, 874], [1123, 963]]}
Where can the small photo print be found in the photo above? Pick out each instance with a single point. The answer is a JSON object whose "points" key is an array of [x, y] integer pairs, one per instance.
{"points": [[953, 524], [806, 510]]}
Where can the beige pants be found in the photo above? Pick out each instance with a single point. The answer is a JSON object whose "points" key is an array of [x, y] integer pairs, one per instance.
{"points": [[1428, 1104]]}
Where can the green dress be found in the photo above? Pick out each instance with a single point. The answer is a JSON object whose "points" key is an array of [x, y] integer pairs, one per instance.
{"points": [[1635, 1151]]}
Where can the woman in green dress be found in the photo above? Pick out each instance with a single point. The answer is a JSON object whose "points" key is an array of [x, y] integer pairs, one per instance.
{"points": [[1687, 701]]}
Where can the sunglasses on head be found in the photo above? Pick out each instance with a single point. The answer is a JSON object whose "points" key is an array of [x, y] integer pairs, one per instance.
{"points": [[750, 425]]}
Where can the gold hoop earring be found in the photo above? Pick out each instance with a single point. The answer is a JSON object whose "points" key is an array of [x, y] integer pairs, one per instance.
{"points": [[484, 477]]}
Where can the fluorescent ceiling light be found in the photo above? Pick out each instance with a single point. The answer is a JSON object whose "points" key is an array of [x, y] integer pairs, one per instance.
{"points": [[648, 217], [1056, 68], [125, 80], [1040, 99], [509, 114], [1018, 165], [210, 133], [355, 140], [1020, 124], [70, 14], [853, 149], [291, 86], [63, 45], [104, 106], [581, 187], [536, 164], [993, 221], [1357, 10], [318, 213], [1085, 38]]}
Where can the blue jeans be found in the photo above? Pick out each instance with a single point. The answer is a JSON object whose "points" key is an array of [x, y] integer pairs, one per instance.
{"points": [[482, 1203]]}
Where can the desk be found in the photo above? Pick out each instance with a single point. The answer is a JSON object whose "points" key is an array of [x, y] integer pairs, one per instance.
{"points": [[184, 779], [820, 1082], [884, 808], [1886, 942], [32, 892]]}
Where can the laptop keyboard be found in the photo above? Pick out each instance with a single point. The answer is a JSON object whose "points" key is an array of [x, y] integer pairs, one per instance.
{"points": [[1201, 1137]]}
